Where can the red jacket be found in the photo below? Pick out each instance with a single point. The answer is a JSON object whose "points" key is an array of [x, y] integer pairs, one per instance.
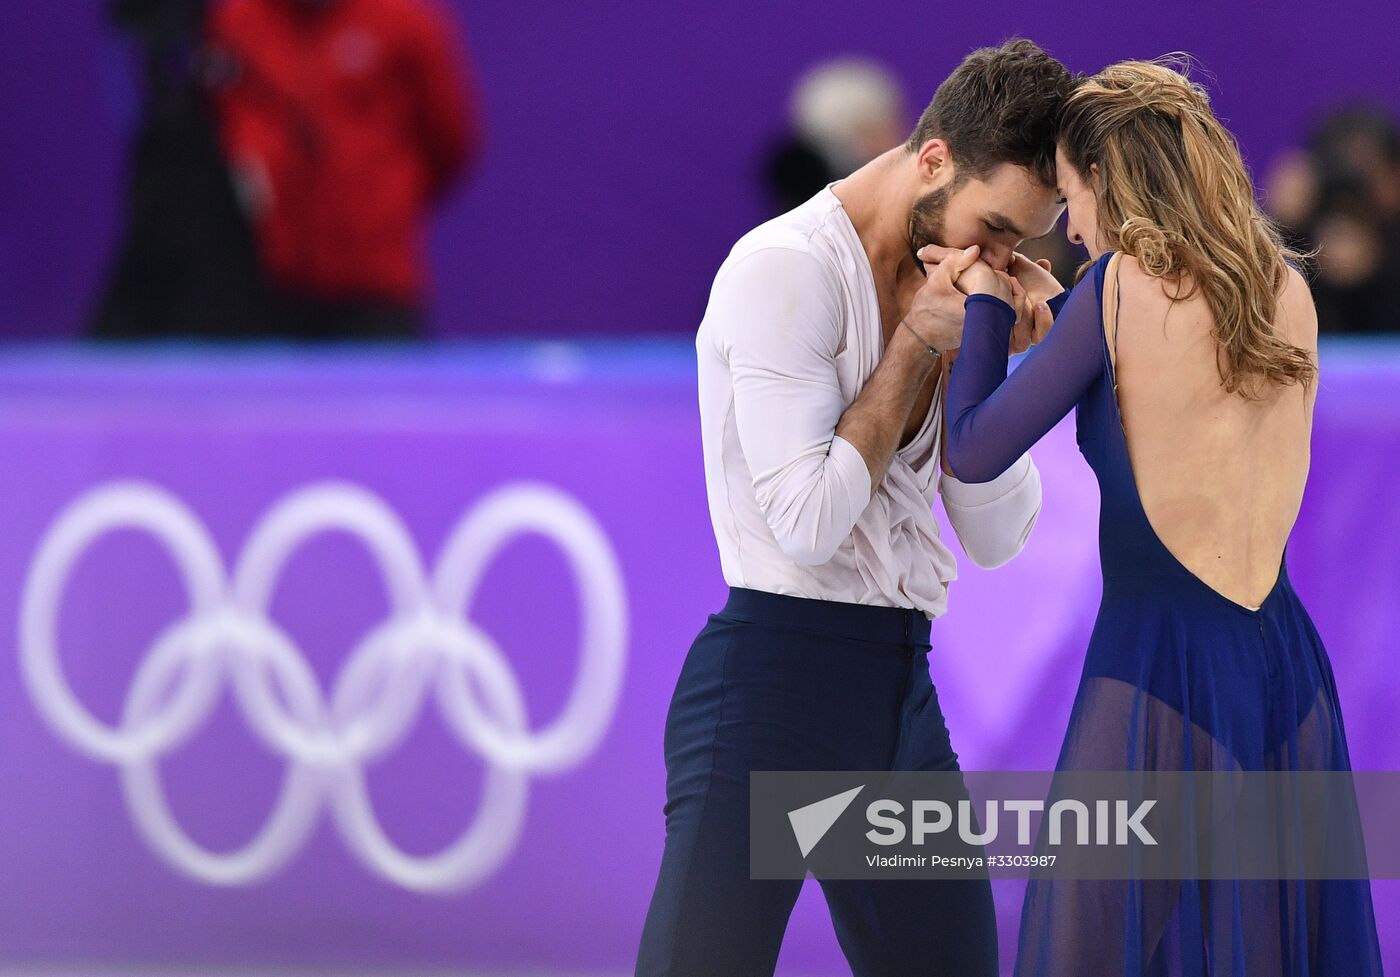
{"points": [[343, 121]]}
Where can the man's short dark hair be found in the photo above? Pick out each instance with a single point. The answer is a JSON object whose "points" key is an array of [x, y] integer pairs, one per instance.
{"points": [[1001, 105]]}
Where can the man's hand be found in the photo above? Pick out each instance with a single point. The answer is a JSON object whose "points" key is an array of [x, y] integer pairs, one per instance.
{"points": [[1033, 320], [968, 275], [1035, 278], [983, 279], [936, 313]]}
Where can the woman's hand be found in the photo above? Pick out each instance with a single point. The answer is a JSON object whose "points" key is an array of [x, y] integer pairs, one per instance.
{"points": [[1035, 277], [982, 279], [1033, 319]]}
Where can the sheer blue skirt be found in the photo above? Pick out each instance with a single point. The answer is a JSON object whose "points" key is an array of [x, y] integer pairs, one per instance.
{"points": [[1178, 677]]}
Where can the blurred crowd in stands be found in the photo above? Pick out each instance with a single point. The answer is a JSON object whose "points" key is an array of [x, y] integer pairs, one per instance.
{"points": [[288, 157], [1339, 195], [291, 152]]}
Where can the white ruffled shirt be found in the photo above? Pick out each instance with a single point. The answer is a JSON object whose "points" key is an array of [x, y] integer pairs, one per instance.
{"points": [[791, 334]]}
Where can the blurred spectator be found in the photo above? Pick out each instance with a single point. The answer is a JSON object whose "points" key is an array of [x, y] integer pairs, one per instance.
{"points": [[1341, 195], [842, 113], [1292, 193], [186, 261], [344, 121]]}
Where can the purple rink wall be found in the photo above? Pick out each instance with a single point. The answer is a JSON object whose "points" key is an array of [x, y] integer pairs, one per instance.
{"points": [[474, 572]]}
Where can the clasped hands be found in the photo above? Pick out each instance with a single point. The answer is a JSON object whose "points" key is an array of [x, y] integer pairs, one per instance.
{"points": [[936, 313]]}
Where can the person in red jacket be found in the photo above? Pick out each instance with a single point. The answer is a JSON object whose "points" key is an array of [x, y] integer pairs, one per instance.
{"points": [[343, 121]]}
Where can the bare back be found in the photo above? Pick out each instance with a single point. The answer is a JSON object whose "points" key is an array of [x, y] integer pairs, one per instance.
{"points": [[1220, 477]]}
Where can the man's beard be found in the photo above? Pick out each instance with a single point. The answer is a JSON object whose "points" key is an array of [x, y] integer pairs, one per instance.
{"points": [[926, 218]]}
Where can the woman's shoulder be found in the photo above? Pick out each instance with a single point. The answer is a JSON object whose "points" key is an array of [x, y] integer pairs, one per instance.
{"points": [[1131, 277], [1296, 317], [1139, 288]]}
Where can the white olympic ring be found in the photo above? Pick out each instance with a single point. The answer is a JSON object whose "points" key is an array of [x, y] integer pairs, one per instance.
{"points": [[425, 640]]}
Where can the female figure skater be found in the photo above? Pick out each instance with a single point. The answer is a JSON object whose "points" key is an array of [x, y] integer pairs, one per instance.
{"points": [[1188, 349]]}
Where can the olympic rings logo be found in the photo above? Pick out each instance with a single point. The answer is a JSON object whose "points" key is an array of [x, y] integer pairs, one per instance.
{"points": [[425, 643]]}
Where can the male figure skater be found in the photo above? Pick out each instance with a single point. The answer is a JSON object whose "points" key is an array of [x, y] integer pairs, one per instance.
{"points": [[821, 358]]}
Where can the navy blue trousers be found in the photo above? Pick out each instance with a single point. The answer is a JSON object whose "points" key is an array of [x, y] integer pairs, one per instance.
{"points": [[774, 682]]}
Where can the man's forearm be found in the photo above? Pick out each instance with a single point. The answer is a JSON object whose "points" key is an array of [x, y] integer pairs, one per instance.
{"points": [[875, 420]]}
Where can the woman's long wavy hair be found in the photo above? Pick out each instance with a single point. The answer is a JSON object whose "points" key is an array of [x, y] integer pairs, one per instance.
{"points": [[1173, 192]]}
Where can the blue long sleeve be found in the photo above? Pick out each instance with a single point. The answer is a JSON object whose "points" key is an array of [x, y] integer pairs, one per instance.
{"points": [[992, 418]]}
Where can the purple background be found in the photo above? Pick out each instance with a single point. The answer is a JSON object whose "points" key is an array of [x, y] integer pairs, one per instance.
{"points": [[623, 138], [431, 433]]}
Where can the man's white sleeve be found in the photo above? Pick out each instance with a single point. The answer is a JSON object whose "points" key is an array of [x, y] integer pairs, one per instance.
{"points": [[994, 519], [775, 315]]}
